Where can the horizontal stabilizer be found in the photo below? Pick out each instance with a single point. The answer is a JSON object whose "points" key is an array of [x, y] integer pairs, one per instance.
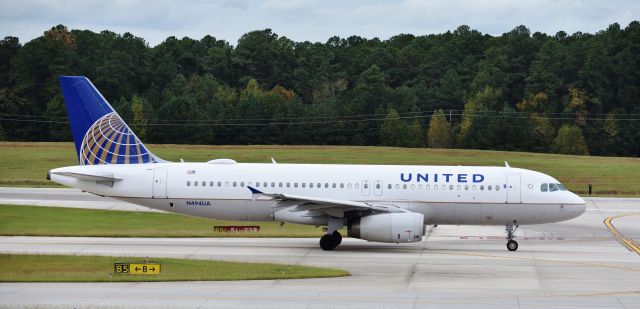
{"points": [[89, 177]]}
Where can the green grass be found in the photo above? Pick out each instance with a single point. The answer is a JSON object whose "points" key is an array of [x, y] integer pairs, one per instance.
{"points": [[55, 221], [26, 164], [67, 268]]}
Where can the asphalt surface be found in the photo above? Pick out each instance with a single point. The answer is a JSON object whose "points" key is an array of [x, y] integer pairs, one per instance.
{"points": [[580, 263]]}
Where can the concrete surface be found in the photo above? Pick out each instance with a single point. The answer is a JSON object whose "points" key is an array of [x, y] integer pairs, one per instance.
{"points": [[573, 264]]}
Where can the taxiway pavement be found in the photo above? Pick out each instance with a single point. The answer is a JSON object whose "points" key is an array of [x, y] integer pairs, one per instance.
{"points": [[572, 264]]}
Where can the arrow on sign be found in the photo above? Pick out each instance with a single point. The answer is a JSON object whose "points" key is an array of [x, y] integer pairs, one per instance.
{"points": [[137, 268]]}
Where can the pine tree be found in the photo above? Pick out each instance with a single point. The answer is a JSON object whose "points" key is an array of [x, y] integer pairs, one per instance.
{"points": [[392, 129], [570, 140], [439, 133], [415, 135]]}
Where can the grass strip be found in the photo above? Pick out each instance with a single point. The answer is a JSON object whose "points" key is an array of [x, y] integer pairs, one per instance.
{"points": [[69, 268], [17, 220], [610, 176]]}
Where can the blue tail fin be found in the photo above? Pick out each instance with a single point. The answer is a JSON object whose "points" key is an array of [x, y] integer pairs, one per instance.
{"points": [[101, 136]]}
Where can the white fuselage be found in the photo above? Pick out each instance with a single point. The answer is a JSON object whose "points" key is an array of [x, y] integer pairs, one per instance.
{"points": [[443, 194]]}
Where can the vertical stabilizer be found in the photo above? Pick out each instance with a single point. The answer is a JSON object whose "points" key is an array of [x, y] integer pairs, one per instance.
{"points": [[100, 135]]}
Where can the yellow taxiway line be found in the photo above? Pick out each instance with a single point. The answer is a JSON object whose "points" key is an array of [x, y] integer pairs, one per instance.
{"points": [[630, 244]]}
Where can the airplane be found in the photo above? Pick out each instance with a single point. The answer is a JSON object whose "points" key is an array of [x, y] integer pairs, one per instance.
{"points": [[381, 203]]}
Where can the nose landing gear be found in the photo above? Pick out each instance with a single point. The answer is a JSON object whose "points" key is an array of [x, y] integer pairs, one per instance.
{"points": [[512, 245]]}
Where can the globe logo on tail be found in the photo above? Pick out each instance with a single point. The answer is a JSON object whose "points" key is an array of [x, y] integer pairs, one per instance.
{"points": [[110, 141]]}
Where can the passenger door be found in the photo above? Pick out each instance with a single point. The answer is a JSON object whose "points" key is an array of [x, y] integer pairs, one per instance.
{"points": [[513, 189], [160, 183]]}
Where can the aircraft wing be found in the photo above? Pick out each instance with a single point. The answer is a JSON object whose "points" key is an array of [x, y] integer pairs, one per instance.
{"points": [[315, 204]]}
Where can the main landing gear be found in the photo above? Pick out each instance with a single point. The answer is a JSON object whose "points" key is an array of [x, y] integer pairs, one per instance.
{"points": [[330, 241], [512, 245], [333, 238]]}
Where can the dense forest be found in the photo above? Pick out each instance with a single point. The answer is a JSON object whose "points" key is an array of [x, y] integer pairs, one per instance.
{"points": [[536, 92]]}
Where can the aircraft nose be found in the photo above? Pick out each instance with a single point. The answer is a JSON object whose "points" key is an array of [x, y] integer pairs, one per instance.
{"points": [[579, 205]]}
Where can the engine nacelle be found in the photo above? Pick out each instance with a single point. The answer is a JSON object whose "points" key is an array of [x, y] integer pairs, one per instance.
{"points": [[388, 227]]}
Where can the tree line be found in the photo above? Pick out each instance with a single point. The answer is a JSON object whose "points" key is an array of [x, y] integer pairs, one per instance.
{"points": [[575, 94]]}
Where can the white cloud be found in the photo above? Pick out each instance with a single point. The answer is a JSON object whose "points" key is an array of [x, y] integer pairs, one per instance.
{"points": [[313, 20]]}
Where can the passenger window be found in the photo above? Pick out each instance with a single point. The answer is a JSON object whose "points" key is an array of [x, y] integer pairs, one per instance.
{"points": [[397, 187], [473, 187], [311, 185], [459, 187], [295, 184], [435, 187], [195, 183], [219, 183], [304, 184], [234, 184], [427, 187], [498, 188], [326, 185], [389, 186], [333, 185], [544, 187], [188, 183], [226, 184], [553, 187], [273, 185], [366, 186], [489, 188], [257, 184], [265, 184], [319, 185], [349, 186], [451, 187], [242, 183], [482, 187], [280, 185], [210, 183], [443, 187], [341, 185], [466, 187], [404, 186], [413, 187], [420, 187], [357, 186], [288, 184]]}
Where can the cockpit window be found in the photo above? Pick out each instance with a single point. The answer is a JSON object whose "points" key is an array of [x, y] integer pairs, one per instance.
{"points": [[553, 187], [544, 187], [561, 187]]}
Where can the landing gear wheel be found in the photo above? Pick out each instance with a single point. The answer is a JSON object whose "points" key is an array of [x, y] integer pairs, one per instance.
{"points": [[338, 238], [330, 241], [327, 242], [512, 245]]}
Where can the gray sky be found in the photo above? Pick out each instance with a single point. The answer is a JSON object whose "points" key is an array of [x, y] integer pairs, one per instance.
{"points": [[312, 20]]}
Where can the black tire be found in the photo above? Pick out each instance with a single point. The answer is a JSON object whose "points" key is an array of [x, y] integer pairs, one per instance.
{"points": [[338, 238], [512, 245], [327, 242]]}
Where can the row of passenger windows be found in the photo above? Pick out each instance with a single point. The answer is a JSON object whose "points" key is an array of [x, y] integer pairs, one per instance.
{"points": [[552, 187], [343, 185]]}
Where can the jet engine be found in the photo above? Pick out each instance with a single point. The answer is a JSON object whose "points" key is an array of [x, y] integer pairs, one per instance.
{"points": [[388, 227]]}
